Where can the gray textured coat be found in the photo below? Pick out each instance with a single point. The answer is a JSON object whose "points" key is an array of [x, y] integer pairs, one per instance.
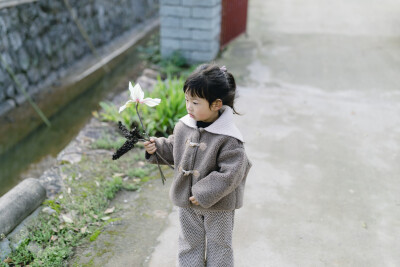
{"points": [[210, 163]]}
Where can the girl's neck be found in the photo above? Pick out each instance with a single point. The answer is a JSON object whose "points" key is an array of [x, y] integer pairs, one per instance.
{"points": [[204, 124]]}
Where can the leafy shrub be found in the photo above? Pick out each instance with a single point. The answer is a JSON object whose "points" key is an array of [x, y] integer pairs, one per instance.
{"points": [[174, 65], [150, 52], [158, 120]]}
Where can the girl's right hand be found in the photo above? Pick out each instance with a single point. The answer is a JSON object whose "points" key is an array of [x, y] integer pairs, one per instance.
{"points": [[150, 146]]}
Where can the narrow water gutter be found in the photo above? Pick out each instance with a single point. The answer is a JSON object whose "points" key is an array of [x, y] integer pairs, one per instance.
{"points": [[84, 90]]}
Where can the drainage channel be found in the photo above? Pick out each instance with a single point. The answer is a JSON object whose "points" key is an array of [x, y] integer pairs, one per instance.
{"points": [[38, 151]]}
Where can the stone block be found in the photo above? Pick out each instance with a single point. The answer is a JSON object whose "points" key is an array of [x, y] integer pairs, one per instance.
{"points": [[170, 2], [15, 40], [171, 43], [10, 91], [196, 45], [47, 46], [13, 18], [4, 43], [23, 59], [206, 12], [194, 3], [27, 14], [68, 52], [206, 34], [39, 45], [5, 249], [203, 56], [6, 106], [22, 80], [44, 67], [20, 99], [7, 58], [33, 75], [57, 59], [3, 27], [175, 33], [204, 24], [175, 11], [173, 22], [3, 75]]}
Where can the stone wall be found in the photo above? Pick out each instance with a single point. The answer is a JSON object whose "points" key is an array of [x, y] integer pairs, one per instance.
{"points": [[40, 40], [192, 27]]}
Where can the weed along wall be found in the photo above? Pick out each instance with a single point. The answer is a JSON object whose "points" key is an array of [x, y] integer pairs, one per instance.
{"points": [[43, 42]]}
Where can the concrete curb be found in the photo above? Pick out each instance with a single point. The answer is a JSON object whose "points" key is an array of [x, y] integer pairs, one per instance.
{"points": [[19, 202]]}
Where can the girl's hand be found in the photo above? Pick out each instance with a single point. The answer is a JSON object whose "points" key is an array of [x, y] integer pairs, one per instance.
{"points": [[150, 146], [193, 200]]}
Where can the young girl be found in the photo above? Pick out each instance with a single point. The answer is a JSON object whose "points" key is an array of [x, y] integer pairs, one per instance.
{"points": [[210, 168]]}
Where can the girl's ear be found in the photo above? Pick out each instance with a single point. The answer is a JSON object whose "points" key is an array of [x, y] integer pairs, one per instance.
{"points": [[216, 105]]}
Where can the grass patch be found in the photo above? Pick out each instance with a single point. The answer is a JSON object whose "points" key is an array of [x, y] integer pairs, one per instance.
{"points": [[107, 142], [80, 209]]}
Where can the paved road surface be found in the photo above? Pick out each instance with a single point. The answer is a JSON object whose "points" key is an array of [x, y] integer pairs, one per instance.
{"points": [[319, 89]]}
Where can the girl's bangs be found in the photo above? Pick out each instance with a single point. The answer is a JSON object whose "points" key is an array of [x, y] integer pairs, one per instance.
{"points": [[195, 91]]}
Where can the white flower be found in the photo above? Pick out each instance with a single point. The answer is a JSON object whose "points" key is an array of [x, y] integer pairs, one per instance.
{"points": [[137, 96]]}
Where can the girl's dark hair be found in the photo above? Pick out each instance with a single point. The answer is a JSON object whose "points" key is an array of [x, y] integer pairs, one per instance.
{"points": [[211, 82]]}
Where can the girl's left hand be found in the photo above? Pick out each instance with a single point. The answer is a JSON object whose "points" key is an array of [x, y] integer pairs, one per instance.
{"points": [[193, 200]]}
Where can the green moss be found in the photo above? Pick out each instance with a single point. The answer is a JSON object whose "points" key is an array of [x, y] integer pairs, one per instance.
{"points": [[88, 264], [114, 220], [95, 235], [52, 204]]}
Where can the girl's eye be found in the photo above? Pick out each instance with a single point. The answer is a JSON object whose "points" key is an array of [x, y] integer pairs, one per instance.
{"points": [[195, 103]]}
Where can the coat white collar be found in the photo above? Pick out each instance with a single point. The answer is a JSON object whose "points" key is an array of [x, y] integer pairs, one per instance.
{"points": [[223, 125]]}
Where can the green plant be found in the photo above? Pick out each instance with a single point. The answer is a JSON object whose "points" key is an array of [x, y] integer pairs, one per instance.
{"points": [[52, 204], [138, 173], [106, 141], [94, 236], [150, 52], [160, 120], [174, 65], [110, 113], [113, 187]]}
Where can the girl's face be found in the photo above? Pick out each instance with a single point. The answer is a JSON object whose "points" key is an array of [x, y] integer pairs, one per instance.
{"points": [[200, 110]]}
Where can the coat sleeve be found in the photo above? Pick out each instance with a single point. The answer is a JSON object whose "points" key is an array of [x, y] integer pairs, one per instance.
{"points": [[233, 165]]}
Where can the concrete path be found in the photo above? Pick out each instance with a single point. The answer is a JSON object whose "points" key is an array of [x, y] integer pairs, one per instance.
{"points": [[319, 90]]}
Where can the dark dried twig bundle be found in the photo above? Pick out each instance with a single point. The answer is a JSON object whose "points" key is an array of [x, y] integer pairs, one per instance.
{"points": [[132, 137]]}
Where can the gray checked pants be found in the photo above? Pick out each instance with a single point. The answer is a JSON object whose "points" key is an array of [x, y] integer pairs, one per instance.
{"points": [[205, 238]]}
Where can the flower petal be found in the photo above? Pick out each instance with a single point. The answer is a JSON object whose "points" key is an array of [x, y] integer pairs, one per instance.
{"points": [[151, 102], [137, 93], [127, 104]]}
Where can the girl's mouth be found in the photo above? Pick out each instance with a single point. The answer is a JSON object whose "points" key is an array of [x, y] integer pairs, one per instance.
{"points": [[191, 115]]}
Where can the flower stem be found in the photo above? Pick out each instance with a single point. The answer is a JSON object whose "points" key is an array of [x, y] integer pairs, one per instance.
{"points": [[148, 139], [147, 136], [140, 119]]}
